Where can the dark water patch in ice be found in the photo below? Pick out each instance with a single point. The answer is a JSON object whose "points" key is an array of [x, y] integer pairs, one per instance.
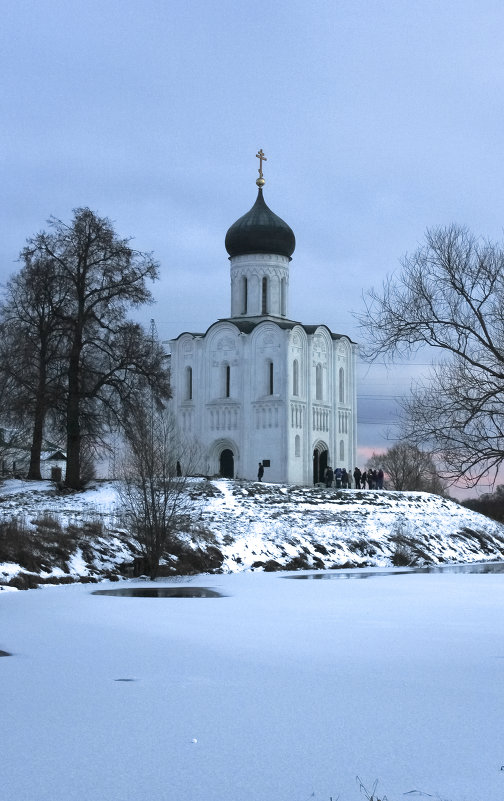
{"points": [[5, 653], [162, 592], [362, 573]]}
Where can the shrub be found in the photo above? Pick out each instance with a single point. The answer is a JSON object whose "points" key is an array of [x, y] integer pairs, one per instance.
{"points": [[402, 556], [93, 527], [48, 522], [299, 562], [191, 561], [24, 581], [272, 566], [17, 544]]}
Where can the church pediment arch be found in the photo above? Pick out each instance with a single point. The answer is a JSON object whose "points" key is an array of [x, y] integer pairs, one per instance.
{"points": [[221, 444], [185, 341], [320, 352], [266, 335], [223, 342], [298, 338], [223, 457], [322, 338], [344, 347]]}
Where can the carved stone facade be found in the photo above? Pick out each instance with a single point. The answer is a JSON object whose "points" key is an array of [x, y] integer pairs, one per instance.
{"points": [[260, 387]]}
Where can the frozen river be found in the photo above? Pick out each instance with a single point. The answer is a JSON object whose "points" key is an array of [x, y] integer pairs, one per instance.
{"points": [[277, 691]]}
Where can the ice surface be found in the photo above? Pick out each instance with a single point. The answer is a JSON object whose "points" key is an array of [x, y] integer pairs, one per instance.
{"points": [[281, 690]]}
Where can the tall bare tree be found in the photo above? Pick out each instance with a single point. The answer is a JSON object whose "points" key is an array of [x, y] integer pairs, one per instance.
{"points": [[449, 295], [102, 278], [32, 349]]}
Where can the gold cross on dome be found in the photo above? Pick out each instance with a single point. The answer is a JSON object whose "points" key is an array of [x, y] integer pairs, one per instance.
{"points": [[261, 158]]}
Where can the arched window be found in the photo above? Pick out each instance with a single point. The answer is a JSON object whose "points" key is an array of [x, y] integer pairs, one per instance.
{"points": [[341, 385], [283, 297], [244, 295], [264, 298], [188, 384], [318, 383], [295, 377], [269, 377], [342, 450], [226, 381], [297, 445]]}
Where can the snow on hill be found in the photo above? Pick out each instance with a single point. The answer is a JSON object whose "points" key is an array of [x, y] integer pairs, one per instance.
{"points": [[238, 525]]}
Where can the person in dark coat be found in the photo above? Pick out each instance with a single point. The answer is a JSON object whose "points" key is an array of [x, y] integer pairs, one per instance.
{"points": [[363, 480], [357, 477], [328, 476], [260, 471], [344, 478]]}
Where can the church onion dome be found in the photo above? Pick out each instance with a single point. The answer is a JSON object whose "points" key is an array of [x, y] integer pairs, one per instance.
{"points": [[260, 231]]}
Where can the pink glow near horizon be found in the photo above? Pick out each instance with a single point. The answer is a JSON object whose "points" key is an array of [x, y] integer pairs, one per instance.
{"points": [[458, 492]]}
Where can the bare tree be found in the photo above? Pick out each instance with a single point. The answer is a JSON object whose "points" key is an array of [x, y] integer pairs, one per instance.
{"points": [[406, 467], [449, 295], [102, 277], [110, 383], [32, 346], [154, 485]]}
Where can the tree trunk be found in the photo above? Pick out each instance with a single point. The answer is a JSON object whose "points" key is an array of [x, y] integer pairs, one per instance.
{"points": [[36, 446], [38, 419], [73, 478]]}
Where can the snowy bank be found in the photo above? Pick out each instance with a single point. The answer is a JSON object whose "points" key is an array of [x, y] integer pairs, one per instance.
{"points": [[239, 526]]}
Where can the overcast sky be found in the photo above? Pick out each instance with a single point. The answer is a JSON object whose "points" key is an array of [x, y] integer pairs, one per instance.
{"points": [[379, 119]]}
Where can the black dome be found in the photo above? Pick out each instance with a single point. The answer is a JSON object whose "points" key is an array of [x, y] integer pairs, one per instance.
{"points": [[260, 231]]}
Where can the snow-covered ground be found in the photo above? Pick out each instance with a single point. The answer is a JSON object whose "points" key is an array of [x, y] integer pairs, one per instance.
{"points": [[249, 525], [281, 690]]}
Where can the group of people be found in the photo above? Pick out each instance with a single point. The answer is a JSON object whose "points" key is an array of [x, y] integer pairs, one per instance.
{"points": [[342, 478]]}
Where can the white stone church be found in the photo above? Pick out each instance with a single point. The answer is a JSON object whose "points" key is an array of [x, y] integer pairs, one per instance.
{"points": [[259, 386]]}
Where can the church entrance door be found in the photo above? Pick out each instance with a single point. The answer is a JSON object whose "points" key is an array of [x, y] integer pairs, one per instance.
{"points": [[319, 465], [226, 464]]}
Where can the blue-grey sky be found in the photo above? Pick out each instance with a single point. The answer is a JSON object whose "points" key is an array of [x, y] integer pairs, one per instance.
{"points": [[379, 118]]}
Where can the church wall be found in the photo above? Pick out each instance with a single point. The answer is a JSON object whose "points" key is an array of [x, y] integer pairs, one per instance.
{"points": [[344, 361], [221, 411], [185, 355], [310, 405], [319, 418], [264, 396], [298, 446], [320, 398]]}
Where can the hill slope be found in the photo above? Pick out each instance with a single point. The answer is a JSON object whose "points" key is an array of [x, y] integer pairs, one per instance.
{"points": [[237, 525]]}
